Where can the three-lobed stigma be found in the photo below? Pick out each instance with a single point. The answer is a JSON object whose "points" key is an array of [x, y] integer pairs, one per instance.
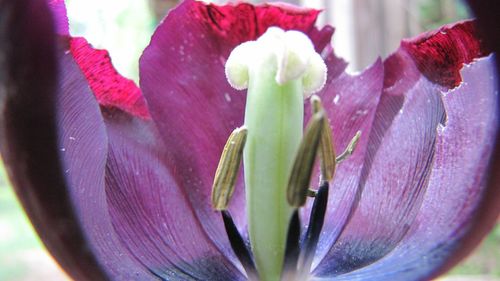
{"points": [[290, 54]]}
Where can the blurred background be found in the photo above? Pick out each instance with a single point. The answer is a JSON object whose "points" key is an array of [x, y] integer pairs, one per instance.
{"points": [[365, 29]]}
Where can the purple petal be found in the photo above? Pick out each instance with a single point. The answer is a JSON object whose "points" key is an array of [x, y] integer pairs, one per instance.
{"points": [[28, 137], [351, 102], [456, 185], [60, 16], [84, 149], [486, 12], [398, 171], [394, 180], [151, 213], [195, 109]]}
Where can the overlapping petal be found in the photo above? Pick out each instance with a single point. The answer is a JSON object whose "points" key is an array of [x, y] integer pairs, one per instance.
{"points": [[134, 191], [83, 146], [452, 198], [28, 137], [399, 186]]}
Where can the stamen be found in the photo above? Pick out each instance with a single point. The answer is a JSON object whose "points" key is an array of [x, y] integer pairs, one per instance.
{"points": [[298, 184], [227, 170], [292, 249], [316, 220], [239, 247], [350, 148], [327, 152]]}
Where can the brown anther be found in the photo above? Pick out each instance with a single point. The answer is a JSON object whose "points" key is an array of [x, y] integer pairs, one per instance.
{"points": [[298, 184], [227, 170], [327, 152]]}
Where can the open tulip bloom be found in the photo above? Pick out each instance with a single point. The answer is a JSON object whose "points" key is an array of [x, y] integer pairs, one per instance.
{"points": [[247, 151]]}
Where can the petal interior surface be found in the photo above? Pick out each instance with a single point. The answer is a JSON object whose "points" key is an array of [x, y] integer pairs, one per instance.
{"points": [[151, 211], [193, 105], [455, 185], [397, 187], [83, 146]]}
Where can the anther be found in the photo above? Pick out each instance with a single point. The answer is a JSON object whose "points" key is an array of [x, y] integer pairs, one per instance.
{"points": [[327, 152], [350, 148], [298, 184], [227, 170]]}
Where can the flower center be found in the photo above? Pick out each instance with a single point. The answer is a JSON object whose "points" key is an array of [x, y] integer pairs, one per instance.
{"points": [[280, 70]]}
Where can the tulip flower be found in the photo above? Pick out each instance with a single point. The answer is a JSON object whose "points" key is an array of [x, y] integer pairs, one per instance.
{"points": [[117, 178]]}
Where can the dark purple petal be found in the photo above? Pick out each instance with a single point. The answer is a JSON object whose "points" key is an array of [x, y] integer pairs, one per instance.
{"points": [[28, 133], [456, 185], [152, 213], [84, 149], [60, 16], [195, 109]]}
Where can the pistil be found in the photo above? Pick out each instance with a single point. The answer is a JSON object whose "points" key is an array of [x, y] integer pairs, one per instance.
{"points": [[280, 69]]}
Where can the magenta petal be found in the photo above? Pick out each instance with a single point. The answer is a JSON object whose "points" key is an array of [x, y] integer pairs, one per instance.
{"points": [[195, 109], [60, 16], [151, 213]]}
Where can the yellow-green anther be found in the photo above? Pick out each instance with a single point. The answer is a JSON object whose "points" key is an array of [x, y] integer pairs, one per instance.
{"points": [[327, 151], [298, 185], [350, 148], [279, 69], [228, 168]]}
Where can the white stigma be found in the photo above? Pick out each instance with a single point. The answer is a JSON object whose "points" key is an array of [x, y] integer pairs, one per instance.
{"points": [[291, 54]]}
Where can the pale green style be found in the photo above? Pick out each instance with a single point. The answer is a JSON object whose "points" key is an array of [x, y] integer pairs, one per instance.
{"points": [[280, 69]]}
